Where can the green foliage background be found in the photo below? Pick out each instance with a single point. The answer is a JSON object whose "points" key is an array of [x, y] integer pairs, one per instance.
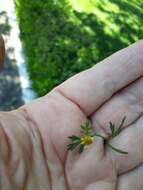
{"points": [[64, 37]]}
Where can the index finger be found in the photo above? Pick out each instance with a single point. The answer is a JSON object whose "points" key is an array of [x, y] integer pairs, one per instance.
{"points": [[91, 88]]}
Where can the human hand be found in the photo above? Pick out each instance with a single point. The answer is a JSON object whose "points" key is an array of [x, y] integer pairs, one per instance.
{"points": [[37, 132]]}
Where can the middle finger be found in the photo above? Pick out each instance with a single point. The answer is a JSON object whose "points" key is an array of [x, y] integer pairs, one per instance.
{"points": [[128, 102]]}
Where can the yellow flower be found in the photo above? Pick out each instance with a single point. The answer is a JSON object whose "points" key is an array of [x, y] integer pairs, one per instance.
{"points": [[87, 140]]}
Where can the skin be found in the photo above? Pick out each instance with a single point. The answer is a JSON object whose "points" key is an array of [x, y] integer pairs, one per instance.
{"points": [[33, 138]]}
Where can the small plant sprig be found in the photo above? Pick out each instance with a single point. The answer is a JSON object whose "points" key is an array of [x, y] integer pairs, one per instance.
{"points": [[115, 131], [88, 136], [85, 140]]}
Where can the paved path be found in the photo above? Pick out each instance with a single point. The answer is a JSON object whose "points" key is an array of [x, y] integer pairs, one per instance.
{"points": [[15, 86], [10, 88]]}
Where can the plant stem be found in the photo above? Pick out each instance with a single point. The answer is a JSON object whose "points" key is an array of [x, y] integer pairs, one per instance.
{"points": [[95, 134], [116, 149]]}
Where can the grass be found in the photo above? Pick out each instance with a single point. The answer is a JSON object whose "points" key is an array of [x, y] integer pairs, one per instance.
{"points": [[62, 38], [115, 15]]}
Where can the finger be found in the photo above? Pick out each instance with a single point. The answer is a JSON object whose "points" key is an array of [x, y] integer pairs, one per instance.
{"points": [[132, 180], [91, 88], [129, 140], [128, 102]]}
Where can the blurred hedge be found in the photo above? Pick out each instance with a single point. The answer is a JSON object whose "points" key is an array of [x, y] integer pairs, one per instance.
{"points": [[60, 41]]}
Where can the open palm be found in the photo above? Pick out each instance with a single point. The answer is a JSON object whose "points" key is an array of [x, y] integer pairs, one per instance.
{"points": [[107, 92]]}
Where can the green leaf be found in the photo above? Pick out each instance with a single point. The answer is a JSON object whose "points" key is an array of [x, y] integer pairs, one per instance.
{"points": [[81, 148], [74, 138], [72, 146], [117, 131], [86, 128], [83, 127], [120, 128], [112, 127]]}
